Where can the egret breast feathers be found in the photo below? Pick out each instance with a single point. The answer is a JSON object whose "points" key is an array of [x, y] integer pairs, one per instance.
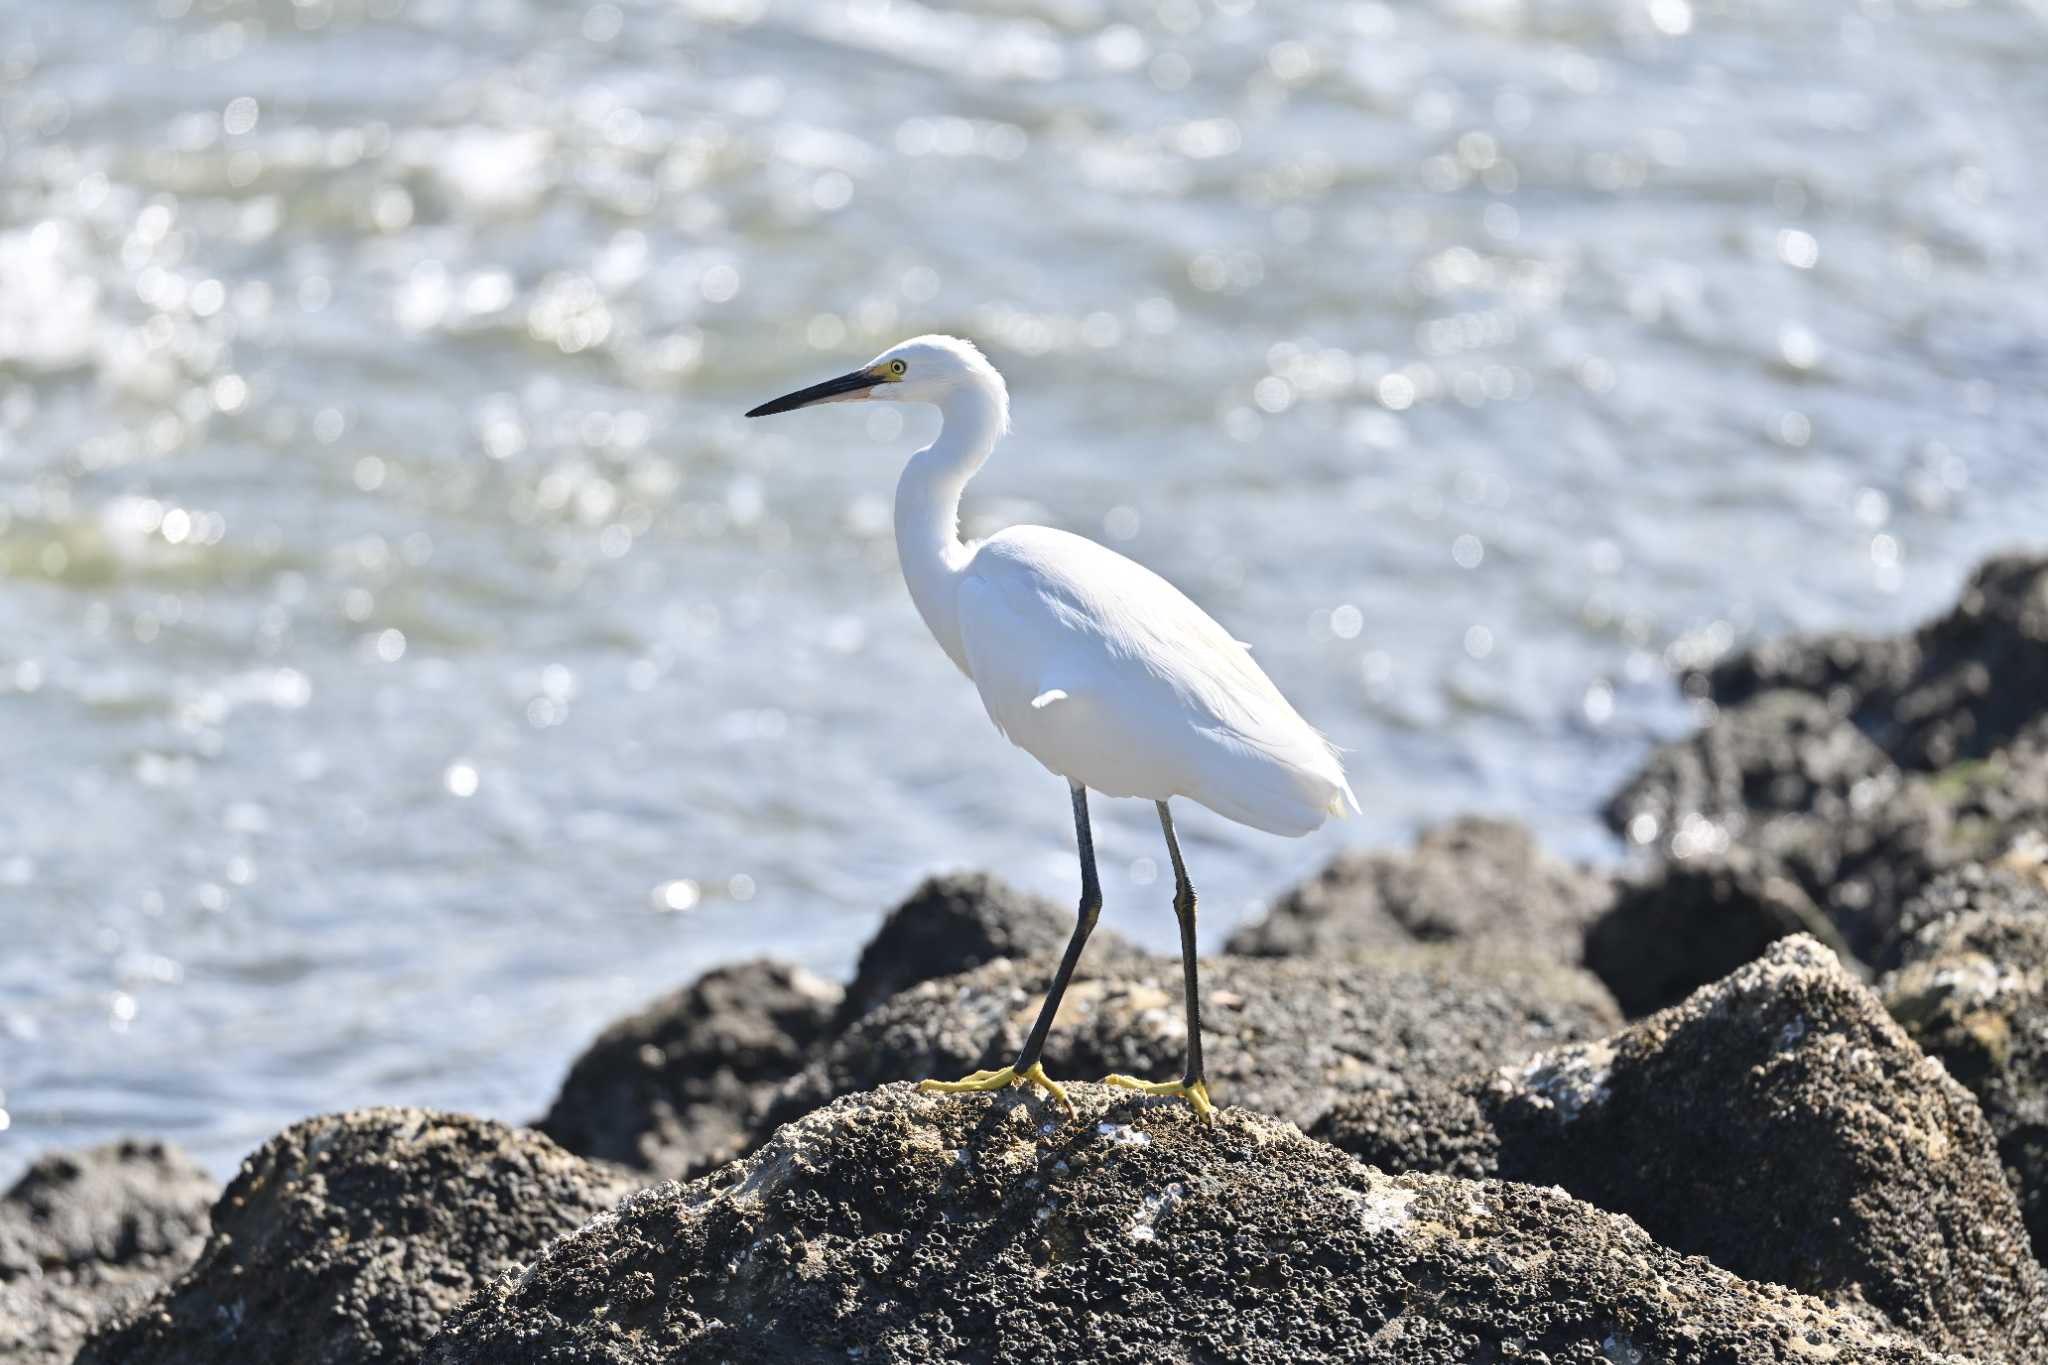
{"points": [[1046, 615]]}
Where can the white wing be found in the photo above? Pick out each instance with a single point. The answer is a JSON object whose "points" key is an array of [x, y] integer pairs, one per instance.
{"points": [[1112, 677]]}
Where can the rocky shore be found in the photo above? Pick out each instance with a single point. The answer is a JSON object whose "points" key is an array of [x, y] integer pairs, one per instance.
{"points": [[1777, 1090]]}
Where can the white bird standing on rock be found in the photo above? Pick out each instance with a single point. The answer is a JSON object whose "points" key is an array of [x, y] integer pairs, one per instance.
{"points": [[1092, 664]]}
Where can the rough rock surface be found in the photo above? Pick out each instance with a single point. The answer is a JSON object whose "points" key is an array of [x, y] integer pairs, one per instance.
{"points": [[1956, 689], [1472, 880], [1283, 1036], [2016, 886], [899, 1227], [1780, 1124], [1996, 806], [677, 1087], [667, 1090], [1860, 769], [1840, 667], [1442, 1126], [1693, 921], [1801, 794], [346, 1239], [953, 923], [1973, 991], [87, 1234], [1860, 851], [1761, 772]]}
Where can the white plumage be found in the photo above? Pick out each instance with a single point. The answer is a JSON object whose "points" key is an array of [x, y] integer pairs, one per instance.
{"points": [[1091, 663], [1094, 665], [1150, 696]]}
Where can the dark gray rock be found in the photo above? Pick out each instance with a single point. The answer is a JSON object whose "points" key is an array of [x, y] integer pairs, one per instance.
{"points": [[1284, 1036], [1777, 790], [1437, 1125], [952, 923], [1994, 805], [1779, 753], [1780, 1124], [894, 1226], [679, 1086], [1691, 921], [2014, 887], [1473, 880], [85, 1235], [1959, 688], [1801, 794], [668, 1090], [1840, 667], [1973, 991], [346, 1238], [1859, 768]]}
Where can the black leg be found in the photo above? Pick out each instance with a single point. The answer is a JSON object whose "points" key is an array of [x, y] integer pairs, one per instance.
{"points": [[1084, 924], [1184, 911], [1027, 1071], [1191, 1086]]}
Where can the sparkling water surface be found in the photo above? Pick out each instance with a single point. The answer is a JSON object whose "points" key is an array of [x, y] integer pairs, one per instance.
{"points": [[410, 659]]}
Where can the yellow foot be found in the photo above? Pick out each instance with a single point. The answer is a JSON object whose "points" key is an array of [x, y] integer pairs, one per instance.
{"points": [[1196, 1093], [996, 1080]]}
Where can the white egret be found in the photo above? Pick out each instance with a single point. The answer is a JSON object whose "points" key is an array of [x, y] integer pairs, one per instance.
{"points": [[1094, 665]]}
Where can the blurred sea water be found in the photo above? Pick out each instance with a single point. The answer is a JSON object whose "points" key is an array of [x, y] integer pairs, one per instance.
{"points": [[410, 660]]}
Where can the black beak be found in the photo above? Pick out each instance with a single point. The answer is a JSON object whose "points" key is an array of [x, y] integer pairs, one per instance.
{"points": [[856, 382]]}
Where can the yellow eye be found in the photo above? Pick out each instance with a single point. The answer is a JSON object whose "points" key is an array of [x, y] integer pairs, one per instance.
{"points": [[897, 367]]}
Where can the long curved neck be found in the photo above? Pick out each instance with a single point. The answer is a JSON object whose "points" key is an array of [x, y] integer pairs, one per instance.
{"points": [[928, 508]]}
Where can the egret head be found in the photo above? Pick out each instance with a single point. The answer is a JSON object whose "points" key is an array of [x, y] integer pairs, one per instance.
{"points": [[926, 369]]}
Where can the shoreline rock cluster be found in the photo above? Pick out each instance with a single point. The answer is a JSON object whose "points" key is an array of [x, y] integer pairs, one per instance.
{"points": [[1837, 777], [1777, 1092]]}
